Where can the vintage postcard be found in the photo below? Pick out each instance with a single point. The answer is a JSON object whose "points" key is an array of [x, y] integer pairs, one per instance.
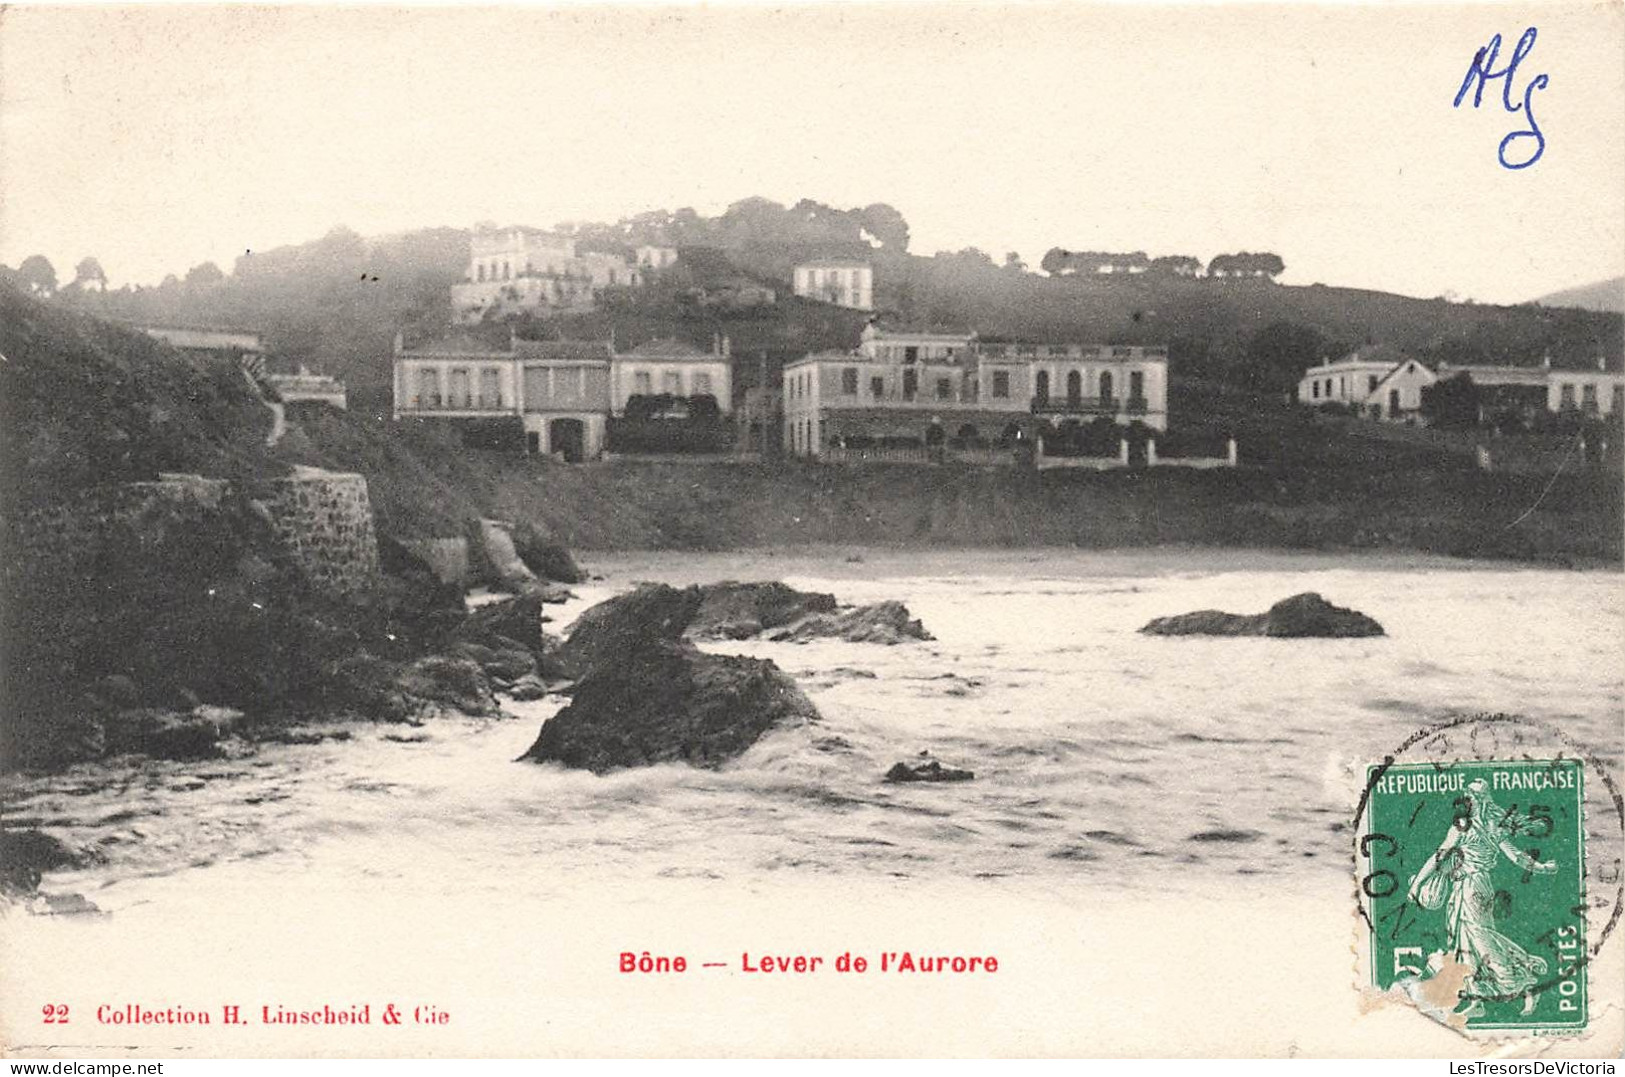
{"points": [[812, 530]]}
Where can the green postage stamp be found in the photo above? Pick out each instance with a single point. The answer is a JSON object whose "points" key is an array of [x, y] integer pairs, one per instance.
{"points": [[1473, 881]]}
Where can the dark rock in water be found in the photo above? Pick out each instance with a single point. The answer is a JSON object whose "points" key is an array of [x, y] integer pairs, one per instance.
{"points": [[884, 622], [545, 557], [1223, 835], [503, 665], [1305, 615], [168, 734], [548, 591], [458, 683], [25, 855], [527, 688], [667, 702], [617, 631], [513, 620], [930, 771], [731, 610], [1310, 615]]}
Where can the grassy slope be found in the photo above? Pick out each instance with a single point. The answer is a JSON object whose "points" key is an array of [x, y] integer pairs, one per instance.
{"points": [[83, 401]]}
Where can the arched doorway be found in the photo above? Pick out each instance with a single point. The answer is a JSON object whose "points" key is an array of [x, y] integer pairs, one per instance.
{"points": [[1074, 389], [1041, 388], [569, 437]]}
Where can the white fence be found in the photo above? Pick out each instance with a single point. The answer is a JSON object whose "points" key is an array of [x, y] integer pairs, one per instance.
{"points": [[1122, 459]]}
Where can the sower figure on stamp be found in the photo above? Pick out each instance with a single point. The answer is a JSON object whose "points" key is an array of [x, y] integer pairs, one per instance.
{"points": [[1457, 876]]}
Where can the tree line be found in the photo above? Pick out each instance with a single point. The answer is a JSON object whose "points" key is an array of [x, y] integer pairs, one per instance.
{"points": [[1059, 262]]}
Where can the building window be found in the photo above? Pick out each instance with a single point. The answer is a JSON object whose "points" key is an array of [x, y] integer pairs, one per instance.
{"points": [[702, 384], [479, 271], [1588, 396], [1001, 383], [911, 354], [671, 382], [877, 387], [911, 383], [849, 381], [1371, 383], [1105, 385], [642, 383], [1568, 395], [1314, 389], [1041, 388], [490, 388], [428, 389], [945, 389], [1136, 385], [1074, 387], [462, 390], [1619, 399]]}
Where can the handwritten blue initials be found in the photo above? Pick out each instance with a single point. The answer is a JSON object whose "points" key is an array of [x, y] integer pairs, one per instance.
{"points": [[1482, 70]]}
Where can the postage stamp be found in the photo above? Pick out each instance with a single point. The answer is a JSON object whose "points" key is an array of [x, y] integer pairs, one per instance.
{"points": [[1474, 878]]}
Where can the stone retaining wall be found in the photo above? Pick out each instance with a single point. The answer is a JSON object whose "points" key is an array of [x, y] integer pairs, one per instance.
{"points": [[321, 521]]}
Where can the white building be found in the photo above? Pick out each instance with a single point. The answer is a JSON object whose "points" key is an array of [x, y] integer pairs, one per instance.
{"points": [[908, 386], [1593, 392], [843, 283], [672, 368], [524, 270], [558, 390], [1376, 380], [308, 387]]}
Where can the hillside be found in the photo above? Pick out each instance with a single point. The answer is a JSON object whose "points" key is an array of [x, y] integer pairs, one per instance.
{"points": [[84, 402], [87, 402], [1604, 295], [336, 302]]}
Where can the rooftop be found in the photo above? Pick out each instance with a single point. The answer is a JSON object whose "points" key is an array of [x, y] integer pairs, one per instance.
{"points": [[667, 348]]}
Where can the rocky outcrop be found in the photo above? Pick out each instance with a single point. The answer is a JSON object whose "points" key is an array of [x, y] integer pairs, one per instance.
{"points": [[617, 631], [731, 610], [644, 694], [25, 855], [929, 771], [884, 622], [1305, 615], [168, 734], [459, 684], [669, 702], [544, 556]]}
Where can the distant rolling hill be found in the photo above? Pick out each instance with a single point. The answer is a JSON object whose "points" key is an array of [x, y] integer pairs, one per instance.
{"points": [[1607, 295]]}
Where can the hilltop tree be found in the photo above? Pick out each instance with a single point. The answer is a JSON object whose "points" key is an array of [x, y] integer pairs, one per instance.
{"points": [[1246, 264], [886, 225], [205, 275], [1176, 265], [37, 274], [89, 271], [1013, 262]]}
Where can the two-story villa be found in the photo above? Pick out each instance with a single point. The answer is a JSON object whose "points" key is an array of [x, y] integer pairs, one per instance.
{"points": [[917, 386], [842, 282], [559, 390], [520, 270]]}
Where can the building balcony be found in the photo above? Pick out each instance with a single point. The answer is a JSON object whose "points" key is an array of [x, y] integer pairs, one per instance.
{"points": [[1078, 405], [474, 405]]}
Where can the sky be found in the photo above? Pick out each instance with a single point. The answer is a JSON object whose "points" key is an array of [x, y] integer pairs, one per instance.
{"points": [[156, 138]]}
